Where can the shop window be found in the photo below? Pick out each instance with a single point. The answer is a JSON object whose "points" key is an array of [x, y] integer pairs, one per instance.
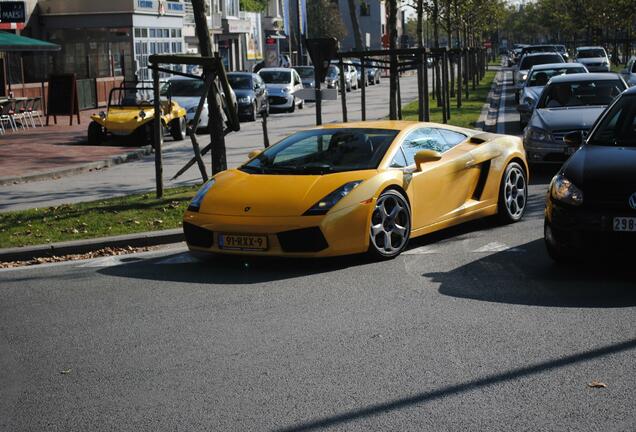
{"points": [[137, 32]]}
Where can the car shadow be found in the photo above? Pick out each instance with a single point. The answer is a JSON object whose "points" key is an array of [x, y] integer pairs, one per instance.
{"points": [[527, 276], [228, 270]]}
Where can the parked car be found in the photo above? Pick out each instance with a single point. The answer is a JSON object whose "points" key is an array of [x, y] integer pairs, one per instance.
{"points": [[527, 62], [538, 77], [332, 77], [594, 58], [563, 51], [350, 74], [307, 77], [362, 80], [281, 84], [187, 92], [130, 114], [568, 103], [629, 73], [591, 204], [373, 73], [251, 94]]}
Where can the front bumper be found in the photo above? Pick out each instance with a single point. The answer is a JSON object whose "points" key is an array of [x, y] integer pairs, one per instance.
{"points": [[582, 229], [546, 151], [280, 101], [344, 232], [203, 120]]}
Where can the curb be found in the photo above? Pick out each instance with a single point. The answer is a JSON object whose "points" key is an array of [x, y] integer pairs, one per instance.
{"points": [[491, 107], [149, 238], [79, 168]]}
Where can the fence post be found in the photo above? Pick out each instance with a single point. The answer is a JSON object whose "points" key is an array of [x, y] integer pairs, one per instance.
{"points": [[447, 64], [363, 98], [420, 87], [158, 134], [427, 108], [444, 88], [343, 90]]}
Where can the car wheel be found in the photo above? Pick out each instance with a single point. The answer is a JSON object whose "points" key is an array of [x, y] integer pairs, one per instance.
{"points": [[390, 225], [95, 133], [513, 194], [293, 106], [178, 129]]}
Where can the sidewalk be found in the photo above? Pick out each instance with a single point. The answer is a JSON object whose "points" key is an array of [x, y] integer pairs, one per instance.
{"points": [[55, 148]]}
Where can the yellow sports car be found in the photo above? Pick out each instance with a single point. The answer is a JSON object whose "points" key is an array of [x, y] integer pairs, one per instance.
{"points": [[130, 113], [358, 187]]}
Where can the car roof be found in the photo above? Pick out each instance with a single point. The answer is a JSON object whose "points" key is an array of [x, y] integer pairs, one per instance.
{"points": [[589, 48], [585, 77], [275, 69], [536, 54], [557, 65]]}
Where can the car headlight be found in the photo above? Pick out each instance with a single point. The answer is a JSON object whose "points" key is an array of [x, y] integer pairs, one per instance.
{"points": [[244, 100], [562, 189], [325, 204], [537, 134], [102, 115], [195, 204], [285, 89], [142, 114], [524, 77]]}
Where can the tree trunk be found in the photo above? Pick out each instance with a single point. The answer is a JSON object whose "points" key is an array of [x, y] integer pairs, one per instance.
{"points": [[215, 120], [420, 18], [392, 45], [355, 25]]}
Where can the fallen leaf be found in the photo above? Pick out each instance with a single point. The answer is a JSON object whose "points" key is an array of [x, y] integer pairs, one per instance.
{"points": [[597, 384]]}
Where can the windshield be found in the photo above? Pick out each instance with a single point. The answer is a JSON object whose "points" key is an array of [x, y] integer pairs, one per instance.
{"points": [[581, 93], [324, 151], [305, 72], [560, 48], [276, 77], [187, 88], [618, 126], [332, 72], [130, 97], [240, 82], [541, 77], [591, 53], [534, 60]]}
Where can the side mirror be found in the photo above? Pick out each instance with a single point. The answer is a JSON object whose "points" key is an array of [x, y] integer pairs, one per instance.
{"points": [[424, 156], [523, 108], [573, 139], [254, 153]]}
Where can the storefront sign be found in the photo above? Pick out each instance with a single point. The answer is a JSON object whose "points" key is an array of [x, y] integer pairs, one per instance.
{"points": [[12, 12], [237, 26]]}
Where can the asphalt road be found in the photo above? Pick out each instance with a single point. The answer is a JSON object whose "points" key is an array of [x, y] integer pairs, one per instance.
{"points": [[472, 328], [139, 176]]}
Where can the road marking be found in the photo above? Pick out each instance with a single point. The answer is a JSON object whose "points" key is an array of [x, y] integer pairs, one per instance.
{"points": [[497, 247], [502, 105], [423, 250]]}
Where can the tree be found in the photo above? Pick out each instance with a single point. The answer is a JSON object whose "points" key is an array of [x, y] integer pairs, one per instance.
{"points": [[355, 25], [323, 20]]}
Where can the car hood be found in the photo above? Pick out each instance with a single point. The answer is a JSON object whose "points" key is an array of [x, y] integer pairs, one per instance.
{"points": [[188, 102], [572, 118], [603, 173], [278, 87], [272, 195]]}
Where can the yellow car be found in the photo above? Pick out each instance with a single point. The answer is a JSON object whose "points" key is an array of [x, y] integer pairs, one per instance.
{"points": [[130, 113], [358, 187]]}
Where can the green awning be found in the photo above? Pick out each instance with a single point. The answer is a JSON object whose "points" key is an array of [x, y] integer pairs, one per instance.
{"points": [[13, 42]]}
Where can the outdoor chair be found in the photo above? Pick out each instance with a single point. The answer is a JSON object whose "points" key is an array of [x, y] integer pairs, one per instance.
{"points": [[6, 116], [34, 110], [19, 114]]}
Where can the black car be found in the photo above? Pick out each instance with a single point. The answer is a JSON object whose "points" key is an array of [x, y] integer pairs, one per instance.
{"points": [[251, 94], [591, 204], [373, 73]]}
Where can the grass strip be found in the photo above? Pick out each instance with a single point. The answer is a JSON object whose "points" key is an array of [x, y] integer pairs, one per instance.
{"points": [[114, 216], [466, 116]]}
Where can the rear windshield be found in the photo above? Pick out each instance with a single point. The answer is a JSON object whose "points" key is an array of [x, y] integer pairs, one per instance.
{"points": [[591, 53], [581, 93], [530, 61], [541, 77]]}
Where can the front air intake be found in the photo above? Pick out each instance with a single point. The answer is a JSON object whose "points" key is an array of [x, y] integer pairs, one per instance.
{"points": [[302, 240], [198, 236]]}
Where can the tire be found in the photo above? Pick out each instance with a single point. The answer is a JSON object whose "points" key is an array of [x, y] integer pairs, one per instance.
{"points": [[293, 106], [513, 194], [95, 133], [178, 129], [301, 105], [390, 220]]}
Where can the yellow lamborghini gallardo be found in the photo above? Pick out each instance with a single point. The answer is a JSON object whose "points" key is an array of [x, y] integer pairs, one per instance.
{"points": [[358, 187]]}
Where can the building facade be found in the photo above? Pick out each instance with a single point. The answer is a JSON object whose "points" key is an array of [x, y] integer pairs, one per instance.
{"points": [[372, 18]]}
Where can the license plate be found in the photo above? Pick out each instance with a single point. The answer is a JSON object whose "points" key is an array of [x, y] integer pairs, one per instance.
{"points": [[625, 224], [242, 242]]}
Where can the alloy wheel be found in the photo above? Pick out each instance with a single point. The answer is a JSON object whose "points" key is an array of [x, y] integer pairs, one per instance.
{"points": [[515, 192], [390, 224]]}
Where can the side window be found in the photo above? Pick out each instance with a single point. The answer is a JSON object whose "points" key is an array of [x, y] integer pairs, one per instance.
{"points": [[451, 138], [296, 78], [399, 160], [422, 139]]}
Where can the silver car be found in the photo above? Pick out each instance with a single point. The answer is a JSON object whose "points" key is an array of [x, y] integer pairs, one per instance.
{"points": [[594, 58], [538, 77], [569, 103], [527, 62], [281, 85], [629, 73]]}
